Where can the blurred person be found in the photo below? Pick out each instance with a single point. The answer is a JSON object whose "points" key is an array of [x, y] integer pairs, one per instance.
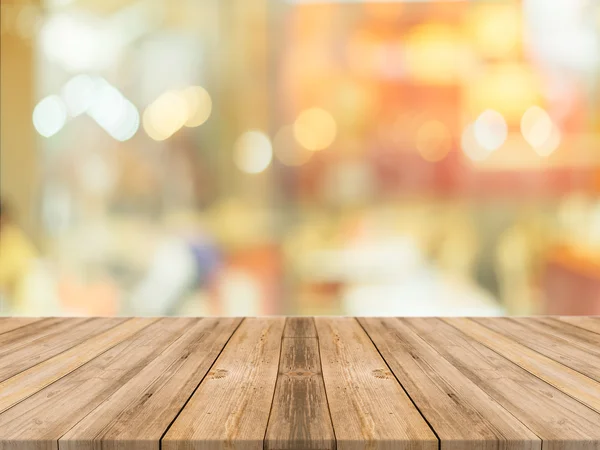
{"points": [[17, 258]]}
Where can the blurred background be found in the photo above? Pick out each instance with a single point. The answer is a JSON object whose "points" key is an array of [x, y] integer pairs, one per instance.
{"points": [[348, 157]]}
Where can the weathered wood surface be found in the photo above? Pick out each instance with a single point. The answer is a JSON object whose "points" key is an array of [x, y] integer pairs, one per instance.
{"points": [[300, 383]]}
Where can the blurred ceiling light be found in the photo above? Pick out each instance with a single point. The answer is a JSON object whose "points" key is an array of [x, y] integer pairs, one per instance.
{"points": [[490, 130], [536, 126], [496, 28], [471, 146], [253, 152], [78, 94], [49, 115], [315, 129], [433, 141], [166, 115], [56, 3], [199, 105], [563, 34], [79, 43], [287, 150]]}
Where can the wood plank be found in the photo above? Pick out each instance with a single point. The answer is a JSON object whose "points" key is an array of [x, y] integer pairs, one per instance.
{"points": [[463, 416], [547, 344], [301, 327], [11, 323], [139, 413], [300, 414], [369, 409], [587, 323], [22, 336], [39, 421], [586, 340], [230, 409], [30, 381], [562, 422], [567, 380], [59, 339]]}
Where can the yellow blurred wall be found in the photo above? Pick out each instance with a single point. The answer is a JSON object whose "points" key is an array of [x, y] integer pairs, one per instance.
{"points": [[18, 155]]}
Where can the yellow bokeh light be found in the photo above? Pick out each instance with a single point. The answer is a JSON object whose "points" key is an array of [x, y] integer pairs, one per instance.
{"points": [[433, 141], [496, 29], [287, 150], [253, 152], [199, 105], [509, 89], [315, 129], [435, 54], [166, 115]]}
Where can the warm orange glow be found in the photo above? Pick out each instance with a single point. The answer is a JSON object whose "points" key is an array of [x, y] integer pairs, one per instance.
{"points": [[433, 141], [165, 116], [199, 105], [287, 150], [315, 129]]}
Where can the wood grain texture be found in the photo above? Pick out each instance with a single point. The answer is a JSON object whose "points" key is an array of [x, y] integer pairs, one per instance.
{"points": [[299, 384], [369, 409], [463, 416], [302, 327], [546, 343], [559, 420], [12, 323], [35, 378], [569, 381], [300, 414], [230, 409], [138, 414], [22, 336], [586, 340], [39, 421], [15, 359], [587, 323]]}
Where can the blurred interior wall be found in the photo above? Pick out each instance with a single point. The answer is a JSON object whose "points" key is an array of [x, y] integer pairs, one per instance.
{"points": [[18, 156]]}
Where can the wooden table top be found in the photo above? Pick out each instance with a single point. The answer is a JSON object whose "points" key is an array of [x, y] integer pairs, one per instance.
{"points": [[300, 383]]}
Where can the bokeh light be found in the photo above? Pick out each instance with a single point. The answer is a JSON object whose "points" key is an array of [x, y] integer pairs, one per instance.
{"points": [[166, 115], [127, 123], [536, 126], [551, 144], [49, 115], [496, 28], [287, 150], [471, 146], [315, 129], [253, 152], [509, 88], [199, 105], [432, 52], [78, 94], [433, 140], [113, 112], [490, 130]]}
